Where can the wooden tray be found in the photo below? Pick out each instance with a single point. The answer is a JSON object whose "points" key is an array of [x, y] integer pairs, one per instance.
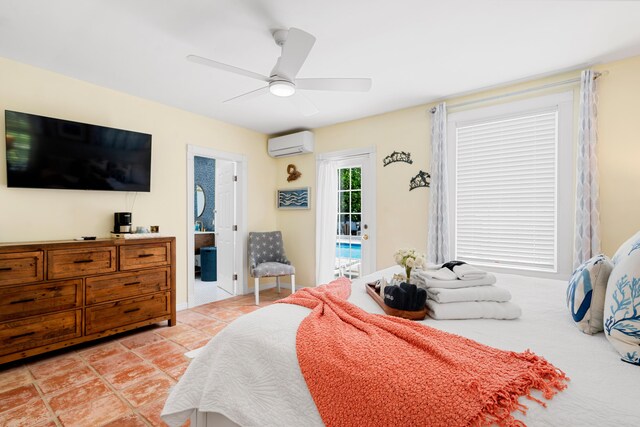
{"points": [[411, 315]]}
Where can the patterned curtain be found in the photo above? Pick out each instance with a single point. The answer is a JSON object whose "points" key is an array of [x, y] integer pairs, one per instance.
{"points": [[587, 228], [438, 237], [326, 221]]}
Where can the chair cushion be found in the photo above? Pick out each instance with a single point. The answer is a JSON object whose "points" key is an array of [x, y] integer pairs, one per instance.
{"points": [[271, 269], [586, 292], [622, 306]]}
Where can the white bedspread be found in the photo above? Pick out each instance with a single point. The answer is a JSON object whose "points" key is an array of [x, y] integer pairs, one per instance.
{"points": [[250, 374]]}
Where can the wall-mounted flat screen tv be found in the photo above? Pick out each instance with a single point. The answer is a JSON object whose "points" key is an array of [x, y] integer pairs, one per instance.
{"points": [[43, 152]]}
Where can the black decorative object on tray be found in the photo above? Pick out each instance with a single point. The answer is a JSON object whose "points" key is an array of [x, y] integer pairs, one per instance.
{"points": [[397, 156], [405, 314], [405, 297], [423, 179]]}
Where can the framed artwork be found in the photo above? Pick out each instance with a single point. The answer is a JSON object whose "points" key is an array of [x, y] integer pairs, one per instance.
{"points": [[293, 198]]}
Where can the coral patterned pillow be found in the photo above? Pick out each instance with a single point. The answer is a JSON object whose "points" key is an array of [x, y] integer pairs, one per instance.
{"points": [[586, 293], [626, 248], [622, 306]]}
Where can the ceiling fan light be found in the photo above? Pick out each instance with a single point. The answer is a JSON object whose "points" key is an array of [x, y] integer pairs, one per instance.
{"points": [[282, 88]]}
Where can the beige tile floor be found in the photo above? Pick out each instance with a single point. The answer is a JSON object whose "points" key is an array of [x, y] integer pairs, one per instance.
{"points": [[118, 381]]}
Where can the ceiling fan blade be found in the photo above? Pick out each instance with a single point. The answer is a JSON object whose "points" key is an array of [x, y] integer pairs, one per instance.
{"points": [[306, 107], [249, 95], [224, 67], [347, 85], [294, 52]]}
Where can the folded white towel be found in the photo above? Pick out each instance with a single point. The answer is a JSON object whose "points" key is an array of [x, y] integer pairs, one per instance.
{"points": [[431, 266], [473, 310], [468, 272], [425, 282], [440, 274], [474, 293]]}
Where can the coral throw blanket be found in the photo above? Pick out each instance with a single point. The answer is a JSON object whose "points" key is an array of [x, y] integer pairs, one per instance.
{"points": [[370, 369]]}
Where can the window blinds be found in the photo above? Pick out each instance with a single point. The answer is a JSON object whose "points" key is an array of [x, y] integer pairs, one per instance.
{"points": [[506, 185]]}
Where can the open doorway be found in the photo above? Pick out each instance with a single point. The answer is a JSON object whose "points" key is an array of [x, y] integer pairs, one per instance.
{"points": [[346, 245], [216, 224]]}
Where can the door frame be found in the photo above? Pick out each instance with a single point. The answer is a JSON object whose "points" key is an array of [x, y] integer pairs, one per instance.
{"points": [[368, 156], [240, 256]]}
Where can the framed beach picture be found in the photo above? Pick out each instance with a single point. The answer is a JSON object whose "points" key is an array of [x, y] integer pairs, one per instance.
{"points": [[293, 198]]}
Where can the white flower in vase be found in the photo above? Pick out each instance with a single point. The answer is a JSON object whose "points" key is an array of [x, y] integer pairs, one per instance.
{"points": [[409, 259]]}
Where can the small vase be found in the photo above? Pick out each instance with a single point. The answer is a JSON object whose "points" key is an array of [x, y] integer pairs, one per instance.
{"points": [[408, 270]]}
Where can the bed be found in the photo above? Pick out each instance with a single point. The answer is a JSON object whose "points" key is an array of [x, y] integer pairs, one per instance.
{"points": [[248, 374]]}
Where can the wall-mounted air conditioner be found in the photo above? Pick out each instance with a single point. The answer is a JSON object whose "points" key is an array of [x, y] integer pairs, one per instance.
{"points": [[292, 144]]}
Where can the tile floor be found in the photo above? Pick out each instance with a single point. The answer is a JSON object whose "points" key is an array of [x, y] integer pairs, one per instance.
{"points": [[118, 381]]}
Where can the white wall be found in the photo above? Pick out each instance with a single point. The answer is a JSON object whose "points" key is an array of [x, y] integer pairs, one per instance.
{"points": [[33, 214], [402, 215], [61, 214]]}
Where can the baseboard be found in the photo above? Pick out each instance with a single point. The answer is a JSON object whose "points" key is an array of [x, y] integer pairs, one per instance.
{"points": [[272, 286], [185, 305]]}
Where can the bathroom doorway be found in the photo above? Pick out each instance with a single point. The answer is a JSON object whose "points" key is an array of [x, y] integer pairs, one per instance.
{"points": [[216, 229]]}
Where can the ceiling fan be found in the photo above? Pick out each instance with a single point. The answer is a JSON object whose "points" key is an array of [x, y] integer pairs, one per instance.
{"points": [[296, 45]]}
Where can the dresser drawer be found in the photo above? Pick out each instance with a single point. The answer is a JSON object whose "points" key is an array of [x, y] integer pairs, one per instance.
{"points": [[148, 255], [64, 263], [125, 285], [39, 331], [28, 300], [21, 267], [102, 317]]}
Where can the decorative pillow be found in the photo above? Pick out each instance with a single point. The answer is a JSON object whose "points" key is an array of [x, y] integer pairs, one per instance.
{"points": [[622, 307], [586, 293], [627, 248]]}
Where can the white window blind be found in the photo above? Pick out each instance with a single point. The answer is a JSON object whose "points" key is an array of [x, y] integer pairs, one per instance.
{"points": [[506, 191]]}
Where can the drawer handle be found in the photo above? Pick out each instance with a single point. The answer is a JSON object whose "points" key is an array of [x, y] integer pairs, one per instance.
{"points": [[132, 283], [82, 261], [22, 335], [144, 255], [132, 310], [6, 269], [20, 301]]}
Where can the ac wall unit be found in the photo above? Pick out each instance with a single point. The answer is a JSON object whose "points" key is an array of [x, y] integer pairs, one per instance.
{"points": [[292, 144]]}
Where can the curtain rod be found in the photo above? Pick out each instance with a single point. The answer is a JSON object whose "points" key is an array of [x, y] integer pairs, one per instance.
{"points": [[519, 92]]}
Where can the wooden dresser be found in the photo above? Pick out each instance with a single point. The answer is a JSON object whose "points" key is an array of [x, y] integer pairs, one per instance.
{"points": [[57, 294]]}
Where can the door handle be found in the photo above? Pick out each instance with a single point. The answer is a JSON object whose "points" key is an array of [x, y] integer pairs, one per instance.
{"points": [[26, 334], [131, 283], [365, 237], [22, 301]]}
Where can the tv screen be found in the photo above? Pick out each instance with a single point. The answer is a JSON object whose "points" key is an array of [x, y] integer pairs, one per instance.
{"points": [[43, 152]]}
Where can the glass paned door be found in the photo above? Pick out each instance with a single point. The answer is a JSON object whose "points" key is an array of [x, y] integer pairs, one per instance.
{"points": [[349, 241]]}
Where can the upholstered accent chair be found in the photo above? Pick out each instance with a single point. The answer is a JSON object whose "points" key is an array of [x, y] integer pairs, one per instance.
{"points": [[267, 259]]}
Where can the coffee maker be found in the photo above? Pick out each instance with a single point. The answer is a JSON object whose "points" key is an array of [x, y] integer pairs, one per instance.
{"points": [[122, 222]]}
